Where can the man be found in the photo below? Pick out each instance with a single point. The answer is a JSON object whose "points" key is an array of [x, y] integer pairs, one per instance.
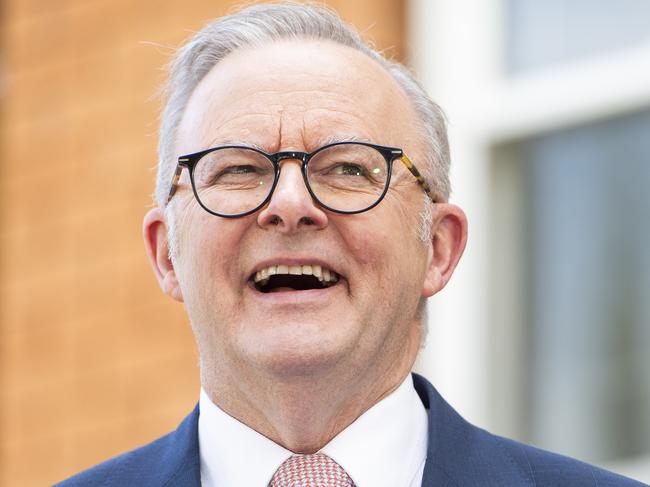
{"points": [[303, 220]]}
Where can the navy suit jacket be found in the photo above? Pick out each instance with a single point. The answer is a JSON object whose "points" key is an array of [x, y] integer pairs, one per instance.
{"points": [[459, 454]]}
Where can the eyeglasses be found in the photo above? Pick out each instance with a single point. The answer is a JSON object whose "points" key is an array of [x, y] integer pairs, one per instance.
{"points": [[344, 177]]}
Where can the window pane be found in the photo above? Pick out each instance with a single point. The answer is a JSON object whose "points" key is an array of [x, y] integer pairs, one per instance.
{"points": [[588, 209], [549, 32]]}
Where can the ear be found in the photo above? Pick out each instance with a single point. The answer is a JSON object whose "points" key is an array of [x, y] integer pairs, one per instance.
{"points": [[448, 239], [156, 243]]}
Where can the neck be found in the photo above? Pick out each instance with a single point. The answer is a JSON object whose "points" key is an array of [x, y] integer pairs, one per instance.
{"points": [[304, 413]]}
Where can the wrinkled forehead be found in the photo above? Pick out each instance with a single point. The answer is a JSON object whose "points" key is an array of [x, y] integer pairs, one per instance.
{"points": [[296, 94]]}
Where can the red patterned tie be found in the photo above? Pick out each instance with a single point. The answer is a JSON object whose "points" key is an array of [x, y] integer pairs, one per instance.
{"points": [[317, 470]]}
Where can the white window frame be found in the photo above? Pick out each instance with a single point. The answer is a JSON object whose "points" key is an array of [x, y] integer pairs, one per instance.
{"points": [[456, 49]]}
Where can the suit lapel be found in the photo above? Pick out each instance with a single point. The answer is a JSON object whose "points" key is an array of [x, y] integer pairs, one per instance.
{"points": [[459, 453], [455, 453], [179, 460], [438, 414]]}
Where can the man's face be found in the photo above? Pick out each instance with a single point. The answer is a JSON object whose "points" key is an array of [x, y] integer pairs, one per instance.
{"points": [[297, 96]]}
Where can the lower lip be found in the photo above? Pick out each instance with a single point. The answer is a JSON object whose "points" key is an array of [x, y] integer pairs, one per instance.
{"points": [[290, 296]]}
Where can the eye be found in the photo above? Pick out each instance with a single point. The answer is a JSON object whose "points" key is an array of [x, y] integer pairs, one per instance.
{"points": [[232, 167], [242, 169], [348, 169], [232, 173]]}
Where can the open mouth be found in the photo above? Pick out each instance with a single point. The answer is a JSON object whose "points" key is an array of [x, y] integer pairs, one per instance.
{"points": [[278, 278]]}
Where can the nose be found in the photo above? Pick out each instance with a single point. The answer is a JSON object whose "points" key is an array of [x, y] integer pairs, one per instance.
{"points": [[291, 207]]}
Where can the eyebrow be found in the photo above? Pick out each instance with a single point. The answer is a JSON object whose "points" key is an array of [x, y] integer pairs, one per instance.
{"points": [[222, 142], [330, 139], [333, 139]]}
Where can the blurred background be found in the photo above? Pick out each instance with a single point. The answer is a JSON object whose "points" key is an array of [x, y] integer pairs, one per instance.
{"points": [[544, 333]]}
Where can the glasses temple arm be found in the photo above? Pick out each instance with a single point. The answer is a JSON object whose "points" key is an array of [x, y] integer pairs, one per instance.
{"points": [[414, 170], [174, 183]]}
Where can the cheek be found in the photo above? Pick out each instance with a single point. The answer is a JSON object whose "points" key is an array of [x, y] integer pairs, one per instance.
{"points": [[391, 257], [375, 252], [209, 254], [364, 238]]}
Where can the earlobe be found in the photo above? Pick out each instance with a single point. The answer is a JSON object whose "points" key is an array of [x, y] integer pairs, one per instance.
{"points": [[156, 242], [448, 240]]}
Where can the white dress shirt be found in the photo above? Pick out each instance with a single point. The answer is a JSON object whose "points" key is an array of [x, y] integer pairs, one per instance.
{"points": [[385, 447]]}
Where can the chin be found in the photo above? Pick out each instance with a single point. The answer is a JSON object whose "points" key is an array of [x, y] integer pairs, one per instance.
{"points": [[295, 357]]}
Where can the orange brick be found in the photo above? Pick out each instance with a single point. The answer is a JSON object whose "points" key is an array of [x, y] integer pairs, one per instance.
{"points": [[94, 359]]}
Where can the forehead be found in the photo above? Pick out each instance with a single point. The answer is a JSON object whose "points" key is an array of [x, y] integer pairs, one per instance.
{"points": [[296, 94]]}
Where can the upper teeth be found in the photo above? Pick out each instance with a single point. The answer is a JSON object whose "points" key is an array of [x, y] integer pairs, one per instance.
{"points": [[323, 274]]}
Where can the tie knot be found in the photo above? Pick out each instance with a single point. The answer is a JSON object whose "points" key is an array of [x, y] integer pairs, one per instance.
{"points": [[317, 470]]}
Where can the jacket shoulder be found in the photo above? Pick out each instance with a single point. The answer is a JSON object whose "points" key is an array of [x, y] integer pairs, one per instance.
{"points": [[121, 466], [460, 454], [545, 468], [170, 460]]}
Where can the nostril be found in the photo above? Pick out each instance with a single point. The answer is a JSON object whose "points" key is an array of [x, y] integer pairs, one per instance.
{"points": [[288, 210], [305, 220]]}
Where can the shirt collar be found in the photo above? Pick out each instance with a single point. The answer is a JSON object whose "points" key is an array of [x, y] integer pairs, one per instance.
{"points": [[231, 452], [386, 446]]}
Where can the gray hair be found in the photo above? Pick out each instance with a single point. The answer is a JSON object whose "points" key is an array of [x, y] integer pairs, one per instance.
{"points": [[260, 24]]}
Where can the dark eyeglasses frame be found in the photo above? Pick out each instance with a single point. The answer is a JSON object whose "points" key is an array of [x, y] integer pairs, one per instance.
{"points": [[390, 154]]}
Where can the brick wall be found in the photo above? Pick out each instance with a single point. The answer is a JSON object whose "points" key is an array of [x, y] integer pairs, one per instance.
{"points": [[94, 359]]}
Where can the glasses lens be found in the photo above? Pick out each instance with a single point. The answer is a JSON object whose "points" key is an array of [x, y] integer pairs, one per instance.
{"points": [[233, 181], [348, 177]]}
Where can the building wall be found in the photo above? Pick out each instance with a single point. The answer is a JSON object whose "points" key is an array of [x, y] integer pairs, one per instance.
{"points": [[94, 359], [540, 96]]}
